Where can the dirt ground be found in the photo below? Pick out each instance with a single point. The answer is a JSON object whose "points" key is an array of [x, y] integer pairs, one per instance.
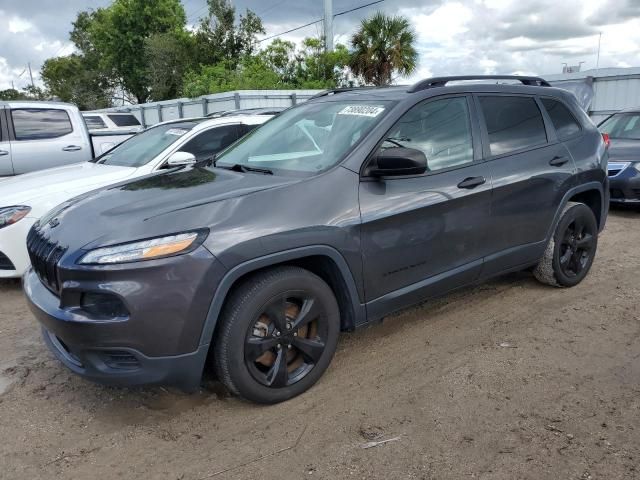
{"points": [[508, 380]]}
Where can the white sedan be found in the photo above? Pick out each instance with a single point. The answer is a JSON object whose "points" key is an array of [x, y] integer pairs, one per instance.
{"points": [[25, 198]]}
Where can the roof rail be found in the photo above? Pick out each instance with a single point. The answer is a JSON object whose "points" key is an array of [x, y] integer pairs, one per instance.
{"points": [[442, 81], [335, 91]]}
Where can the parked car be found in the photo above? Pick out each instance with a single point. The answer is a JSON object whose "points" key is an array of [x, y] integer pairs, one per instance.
{"points": [[26, 198], [334, 214], [623, 131], [114, 121], [39, 135]]}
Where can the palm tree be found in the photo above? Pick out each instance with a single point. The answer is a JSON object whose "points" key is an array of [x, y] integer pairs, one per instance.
{"points": [[383, 47]]}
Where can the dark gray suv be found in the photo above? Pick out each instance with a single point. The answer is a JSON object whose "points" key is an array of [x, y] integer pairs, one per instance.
{"points": [[330, 216]]}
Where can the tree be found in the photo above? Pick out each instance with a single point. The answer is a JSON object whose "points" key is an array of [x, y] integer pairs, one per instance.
{"points": [[73, 79], [220, 39], [383, 47], [169, 57], [12, 94], [119, 37]]}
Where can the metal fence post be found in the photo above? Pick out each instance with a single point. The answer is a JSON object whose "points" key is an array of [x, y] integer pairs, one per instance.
{"points": [[205, 107], [236, 97], [180, 110], [159, 107], [142, 119], [294, 99]]}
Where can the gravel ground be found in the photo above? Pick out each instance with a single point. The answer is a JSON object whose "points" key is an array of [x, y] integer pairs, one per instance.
{"points": [[506, 380]]}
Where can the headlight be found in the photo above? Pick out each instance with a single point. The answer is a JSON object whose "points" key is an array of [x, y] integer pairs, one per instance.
{"points": [[144, 250], [10, 215]]}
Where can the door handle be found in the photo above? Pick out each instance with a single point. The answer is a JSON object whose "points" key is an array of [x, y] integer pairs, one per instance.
{"points": [[72, 148], [558, 161], [3, 153], [472, 182]]}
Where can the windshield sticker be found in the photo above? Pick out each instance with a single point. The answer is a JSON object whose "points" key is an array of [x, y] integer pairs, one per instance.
{"points": [[362, 110], [178, 132]]}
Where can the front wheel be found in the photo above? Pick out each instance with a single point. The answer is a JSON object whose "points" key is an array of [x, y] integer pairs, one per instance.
{"points": [[572, 248], [278, 335]]}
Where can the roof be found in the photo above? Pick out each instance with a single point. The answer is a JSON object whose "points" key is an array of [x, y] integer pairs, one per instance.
{"points": [[204, 122], [33, 103]]}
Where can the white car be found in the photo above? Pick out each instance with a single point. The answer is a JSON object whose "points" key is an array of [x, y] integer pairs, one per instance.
{"points": [[24, 199]]}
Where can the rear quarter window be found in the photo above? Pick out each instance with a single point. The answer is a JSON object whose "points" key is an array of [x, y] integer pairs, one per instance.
{"points": [[40, 123], [124, 120], [94, 122], [513, 123], [563, 120]]}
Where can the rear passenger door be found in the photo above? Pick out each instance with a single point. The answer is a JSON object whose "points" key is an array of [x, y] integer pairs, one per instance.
{"points": [[531, 171], [6, 167], [45, 138]]}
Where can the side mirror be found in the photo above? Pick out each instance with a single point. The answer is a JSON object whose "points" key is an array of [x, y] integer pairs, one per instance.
{"points": [[398, 161], [181, 159]]}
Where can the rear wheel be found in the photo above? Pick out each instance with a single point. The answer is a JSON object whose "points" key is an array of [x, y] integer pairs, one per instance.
{"points": [[572, 248], [278, 335]]}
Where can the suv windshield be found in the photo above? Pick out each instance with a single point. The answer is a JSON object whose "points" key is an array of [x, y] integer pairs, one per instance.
{"points": [[144, 147], [622, 125], [309, 138]]}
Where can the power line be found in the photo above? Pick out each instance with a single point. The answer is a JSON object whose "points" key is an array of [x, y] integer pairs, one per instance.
{"points": [[319, 20]]}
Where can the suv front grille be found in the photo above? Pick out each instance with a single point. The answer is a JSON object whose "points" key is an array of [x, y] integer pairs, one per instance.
{"points": [[45, 255], [5, 263]]}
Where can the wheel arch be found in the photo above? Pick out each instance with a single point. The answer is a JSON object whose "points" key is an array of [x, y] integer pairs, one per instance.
{"points": [[591, 194], [322, 260]]}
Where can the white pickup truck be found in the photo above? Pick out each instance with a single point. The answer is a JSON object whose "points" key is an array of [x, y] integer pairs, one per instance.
{"points": [[38, 135]]}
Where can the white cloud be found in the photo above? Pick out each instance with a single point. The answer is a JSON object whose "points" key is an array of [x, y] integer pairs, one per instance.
{"points": [[19, 25]]}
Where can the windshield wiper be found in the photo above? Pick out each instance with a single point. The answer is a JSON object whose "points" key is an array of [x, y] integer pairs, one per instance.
{"points": [[238, 167]]}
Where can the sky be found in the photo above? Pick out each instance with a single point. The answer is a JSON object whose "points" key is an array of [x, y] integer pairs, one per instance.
{"points": [[454, 37]]}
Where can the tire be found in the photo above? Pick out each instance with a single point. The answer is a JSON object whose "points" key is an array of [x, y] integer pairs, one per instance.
{"points": [[278, 333], [572, 248]]}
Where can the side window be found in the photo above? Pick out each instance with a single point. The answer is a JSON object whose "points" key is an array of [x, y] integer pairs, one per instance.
{"points": [[562, 119], [124, 120], [210, 142], [513, 123], [40, 123], [440, 128], [94, 122]]}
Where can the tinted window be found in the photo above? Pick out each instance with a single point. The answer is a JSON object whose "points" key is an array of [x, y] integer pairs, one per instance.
{"points": [[94, 123], [562, 119], [124, 120], [210, 142], [39, 123], [622, 125], [439, 128], [513, 123]]}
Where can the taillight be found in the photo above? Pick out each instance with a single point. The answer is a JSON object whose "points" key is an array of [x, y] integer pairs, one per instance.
{"points": [[607, 140]]}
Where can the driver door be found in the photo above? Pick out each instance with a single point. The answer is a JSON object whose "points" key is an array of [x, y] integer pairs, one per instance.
{"points": [[425, 234]]}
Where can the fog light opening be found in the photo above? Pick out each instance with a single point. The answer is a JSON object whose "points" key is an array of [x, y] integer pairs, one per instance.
{"points": [[103, 306]]}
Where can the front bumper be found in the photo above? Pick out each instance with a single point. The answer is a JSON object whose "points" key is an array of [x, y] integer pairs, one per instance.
{"points": [[13, 248], [624, 185], [157, 342]]}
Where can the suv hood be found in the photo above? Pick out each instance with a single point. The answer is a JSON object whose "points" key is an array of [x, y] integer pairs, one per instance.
{"points": [[623, 149], [74, 179], [157, 205]]}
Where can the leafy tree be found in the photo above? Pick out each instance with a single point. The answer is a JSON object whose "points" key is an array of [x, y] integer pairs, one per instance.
{"points": [[383, 47], [12, 94], [321, 69], [73, 79], [220, 39], [119, 37], [169, 57]]}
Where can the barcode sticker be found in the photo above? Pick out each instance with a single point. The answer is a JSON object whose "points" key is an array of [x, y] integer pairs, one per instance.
{"points": [[362, 110]]}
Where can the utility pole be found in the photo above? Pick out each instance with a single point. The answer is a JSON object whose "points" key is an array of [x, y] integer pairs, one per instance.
{"points": [[328, 25], [31, 76], [598, 58]]}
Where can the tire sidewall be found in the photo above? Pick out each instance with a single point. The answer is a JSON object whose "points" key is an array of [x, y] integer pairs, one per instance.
{"points": [[570, 214], [243, 318]]}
